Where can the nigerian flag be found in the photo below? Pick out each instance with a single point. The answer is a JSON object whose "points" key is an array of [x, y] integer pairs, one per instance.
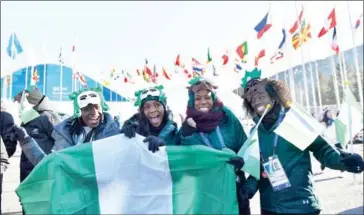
{"points": [[350, 118], [118, 175]]}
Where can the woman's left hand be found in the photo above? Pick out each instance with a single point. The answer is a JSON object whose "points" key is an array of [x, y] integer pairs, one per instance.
{"points": [[237, 162], [154, 143]]}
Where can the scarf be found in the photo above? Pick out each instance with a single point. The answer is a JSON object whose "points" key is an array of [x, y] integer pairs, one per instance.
{"points": [[206, 122], [272, 116]]}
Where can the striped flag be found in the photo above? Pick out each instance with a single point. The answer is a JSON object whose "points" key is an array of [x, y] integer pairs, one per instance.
{"points": [[297, 23], [358, 22], [103, 178], [279, 54], [334, 44], [242, 50], [263, 26]]}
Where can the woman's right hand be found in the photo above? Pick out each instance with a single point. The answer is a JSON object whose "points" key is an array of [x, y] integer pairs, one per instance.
{"points": [[188, 127], [130, 130]]}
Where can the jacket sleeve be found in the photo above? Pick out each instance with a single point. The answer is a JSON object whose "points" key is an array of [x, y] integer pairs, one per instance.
{"points": [[7, 122], [3, 157], [326, 154], [32, 151], [250, 186]]}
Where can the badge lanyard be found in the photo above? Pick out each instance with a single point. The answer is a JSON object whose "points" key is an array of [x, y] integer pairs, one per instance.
{"points": [[221, 140], [275, 143]]}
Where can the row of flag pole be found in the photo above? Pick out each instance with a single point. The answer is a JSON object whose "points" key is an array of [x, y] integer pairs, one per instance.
{"points": [[300, 33]]}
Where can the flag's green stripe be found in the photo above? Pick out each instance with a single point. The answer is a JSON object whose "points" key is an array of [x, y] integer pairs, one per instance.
{"points": [[203, 183], [57, 191]]}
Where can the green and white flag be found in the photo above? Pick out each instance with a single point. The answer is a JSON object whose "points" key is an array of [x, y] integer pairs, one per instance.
{"points": [[298, 127], [118, 175], [349, 107], [251, 153]]}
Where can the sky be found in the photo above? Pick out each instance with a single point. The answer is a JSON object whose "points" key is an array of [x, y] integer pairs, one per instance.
{"points": [[122, 34]]}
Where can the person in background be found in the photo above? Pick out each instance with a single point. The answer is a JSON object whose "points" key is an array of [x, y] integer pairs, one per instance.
{"points": [[8, 146], [153, 120], [38, 118]]}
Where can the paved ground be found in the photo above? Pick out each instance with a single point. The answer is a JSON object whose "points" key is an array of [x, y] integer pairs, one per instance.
{"points": [[338, 193]]}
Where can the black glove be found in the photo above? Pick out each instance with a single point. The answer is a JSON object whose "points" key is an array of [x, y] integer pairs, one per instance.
{"points": [[353, 162], [154, 143], [186, 129], [237, 162], [245, 194], [20, 134], [130, 130]]}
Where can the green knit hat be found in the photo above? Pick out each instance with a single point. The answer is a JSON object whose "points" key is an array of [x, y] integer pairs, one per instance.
{"points": [[87, 96], [197, 84], [148, 94]]}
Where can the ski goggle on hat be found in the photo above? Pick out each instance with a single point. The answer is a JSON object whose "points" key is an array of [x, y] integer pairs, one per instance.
{"points": [[150, 92], [88, 97]]}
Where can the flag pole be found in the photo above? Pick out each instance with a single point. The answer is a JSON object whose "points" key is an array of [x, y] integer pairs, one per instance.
{"points": [[290, 71], [11, 73], [346, 89], [358, 78], [303, 69], [336, 88], [61, 75], [313, 90], [318, 85]]}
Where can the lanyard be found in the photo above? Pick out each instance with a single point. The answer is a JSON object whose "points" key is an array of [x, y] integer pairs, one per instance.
{"points": [[275, 143], [221, 140]]}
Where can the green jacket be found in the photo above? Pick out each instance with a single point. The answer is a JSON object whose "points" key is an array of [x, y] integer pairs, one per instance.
{"points": [[231, 130], [169, 132], [300, 196]]}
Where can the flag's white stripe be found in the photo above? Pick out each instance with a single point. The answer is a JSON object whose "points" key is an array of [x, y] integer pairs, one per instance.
{"points": [[130, 178]]}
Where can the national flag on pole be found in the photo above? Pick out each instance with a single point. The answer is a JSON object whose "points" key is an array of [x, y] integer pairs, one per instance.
{"points": [[187, 73], [14, 48], [334, 44], [35, 76], [225, 58], [165, 74], [146, 69], [60, 57], [351, 113], [263, 26], [209, 58], [197, 66], [103, 178], [242, 50], [260, 55], [178, 61], [279, 54], [8, 80], [78, 76], [358, 21], [146, 77], [138, 72], [329, 23], [297, 23], [302, 36], [298, 127]]}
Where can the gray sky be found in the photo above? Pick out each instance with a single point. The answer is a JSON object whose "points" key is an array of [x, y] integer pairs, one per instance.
{"points": [[122, 34]]}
